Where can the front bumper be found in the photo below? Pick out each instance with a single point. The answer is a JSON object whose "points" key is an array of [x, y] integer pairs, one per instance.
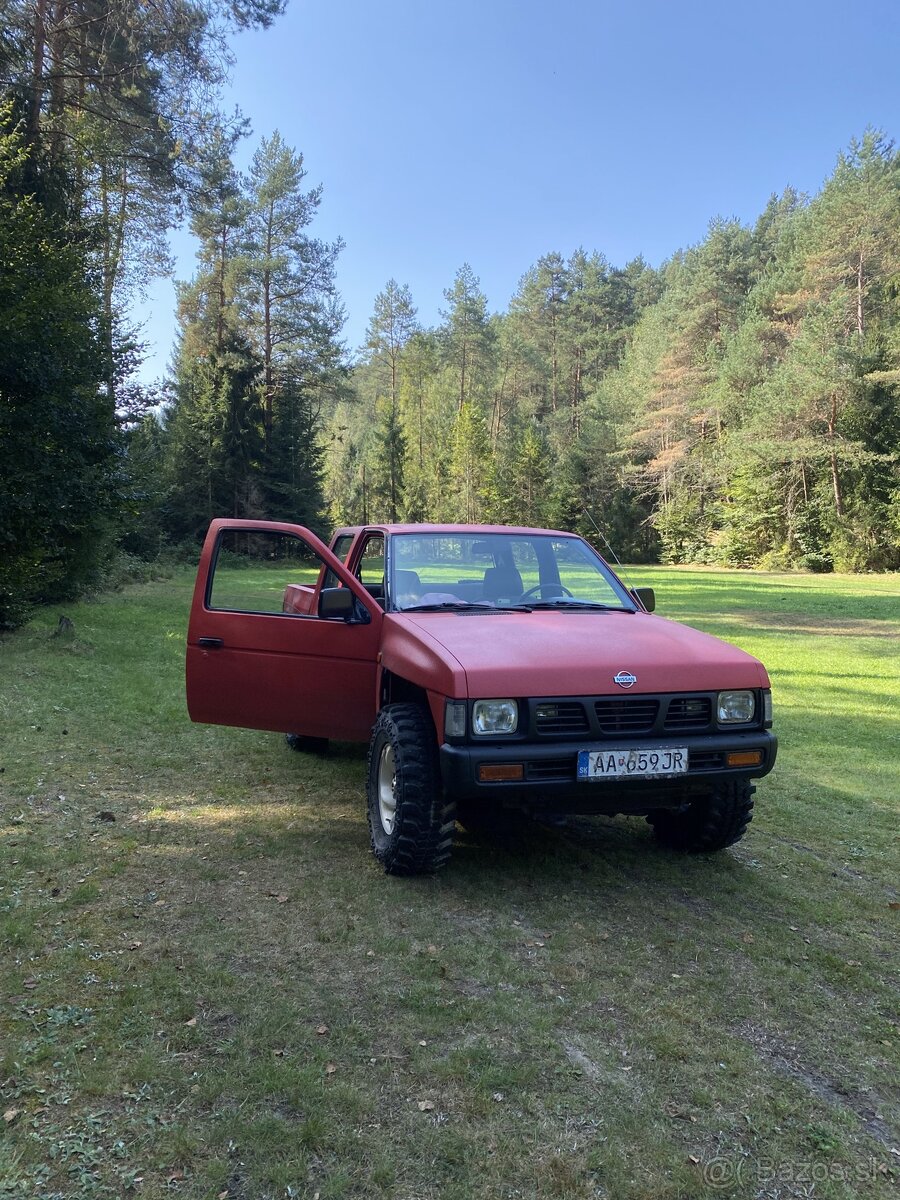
{"points": [[550, 773]]}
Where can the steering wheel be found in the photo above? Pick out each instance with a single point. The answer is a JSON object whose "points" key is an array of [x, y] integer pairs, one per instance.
{"points": [[554, 589]]}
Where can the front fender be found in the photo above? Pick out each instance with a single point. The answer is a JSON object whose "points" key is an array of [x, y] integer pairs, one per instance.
{"points": [[411, 653]]}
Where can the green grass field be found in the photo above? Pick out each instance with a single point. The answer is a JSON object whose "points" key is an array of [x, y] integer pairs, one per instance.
{"points": [[209, 989]]}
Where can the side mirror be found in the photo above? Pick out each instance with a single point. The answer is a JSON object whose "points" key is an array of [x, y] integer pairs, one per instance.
{"points": [[336, 603], [646, 597]]}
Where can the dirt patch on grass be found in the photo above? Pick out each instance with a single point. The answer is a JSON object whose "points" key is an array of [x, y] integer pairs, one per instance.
{"points": [[786, 1059], [613, 1077], [831, 626]]}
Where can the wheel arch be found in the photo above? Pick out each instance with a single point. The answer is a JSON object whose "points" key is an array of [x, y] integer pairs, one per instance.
{"points": [[394, 688]]}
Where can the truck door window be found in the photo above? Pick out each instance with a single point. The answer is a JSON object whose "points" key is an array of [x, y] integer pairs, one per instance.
{"points": [[253, 568], [371, 566], [340, 549]]}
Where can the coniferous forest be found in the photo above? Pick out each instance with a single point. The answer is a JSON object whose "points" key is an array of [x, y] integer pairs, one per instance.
{"points": [[736, 405]]}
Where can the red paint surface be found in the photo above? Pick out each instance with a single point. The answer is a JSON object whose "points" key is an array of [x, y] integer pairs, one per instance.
{"points": [[296, 673], [574, 654]]}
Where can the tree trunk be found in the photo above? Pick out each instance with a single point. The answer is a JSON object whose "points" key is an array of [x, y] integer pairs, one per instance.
{"points": [[267, 336], [57, 39], [114, 242], [37, 70], [860, 282], [220, 315], [835, 477]]}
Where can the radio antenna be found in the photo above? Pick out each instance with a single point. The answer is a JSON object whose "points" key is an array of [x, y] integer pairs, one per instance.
{"points": [[605, 541]]}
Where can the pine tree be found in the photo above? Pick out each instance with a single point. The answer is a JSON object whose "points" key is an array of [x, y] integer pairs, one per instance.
{"points": [[391, 326], [58, 436], [468, 339]]}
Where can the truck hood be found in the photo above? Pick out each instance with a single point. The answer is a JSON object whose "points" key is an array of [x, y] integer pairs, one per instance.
{"points": [[576, 654]]}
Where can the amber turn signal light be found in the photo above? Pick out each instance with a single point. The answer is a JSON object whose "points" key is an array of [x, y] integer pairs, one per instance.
{"points": [[500, 772], [745, 758]]}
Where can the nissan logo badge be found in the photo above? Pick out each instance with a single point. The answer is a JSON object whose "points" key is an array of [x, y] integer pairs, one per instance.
{"points": [[625, 679]]}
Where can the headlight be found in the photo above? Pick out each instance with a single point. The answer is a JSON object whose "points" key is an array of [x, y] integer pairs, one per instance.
{"points": [[494, 716], [736, 708]]}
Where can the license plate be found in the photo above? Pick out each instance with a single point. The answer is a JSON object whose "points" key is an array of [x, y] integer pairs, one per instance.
{"points": [[630, 763]]}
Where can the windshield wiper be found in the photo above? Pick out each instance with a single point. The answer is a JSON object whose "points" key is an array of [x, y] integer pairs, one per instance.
{"points": [[579, 605], [464, 606], [442, 605]]}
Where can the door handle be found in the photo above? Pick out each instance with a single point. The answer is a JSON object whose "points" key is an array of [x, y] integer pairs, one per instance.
{"points": [[210, 643]]}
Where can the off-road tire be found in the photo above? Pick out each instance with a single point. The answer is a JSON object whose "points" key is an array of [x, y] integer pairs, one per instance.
{"points": [[307, 745], [403, 758], [710, 823]]}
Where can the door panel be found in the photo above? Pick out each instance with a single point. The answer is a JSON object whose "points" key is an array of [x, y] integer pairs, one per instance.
{"points": [[249, 663]]}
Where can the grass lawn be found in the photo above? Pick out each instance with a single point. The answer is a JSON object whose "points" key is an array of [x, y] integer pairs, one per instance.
{"points": [[210, 989]]}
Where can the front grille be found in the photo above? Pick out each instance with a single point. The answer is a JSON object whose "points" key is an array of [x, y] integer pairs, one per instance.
{"points": [[689, 712], [585, 719], [637, 715], [564, 717]]}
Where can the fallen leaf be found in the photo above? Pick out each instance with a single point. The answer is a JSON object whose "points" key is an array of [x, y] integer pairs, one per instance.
{"points": [[370, 954], [135, 945], [282, 899], [432, 949], [160, 904], [192, 1021], [280, 1053], [175, 1177], [322, 1030], [747, 937], [426, 1105], [694, 1159], [895, 904], [10, 1115], [330, 1069], [30, 983], [222, 1196]]}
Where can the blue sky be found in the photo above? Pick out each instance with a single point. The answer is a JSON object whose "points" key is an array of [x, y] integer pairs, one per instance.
{"points": [[493, 132]]}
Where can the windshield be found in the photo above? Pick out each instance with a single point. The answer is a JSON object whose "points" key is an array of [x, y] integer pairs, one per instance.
{"points": [[446, 571]]}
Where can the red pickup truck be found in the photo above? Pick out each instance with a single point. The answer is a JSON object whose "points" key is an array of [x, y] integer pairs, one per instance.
{"points": [[491, 669]]}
